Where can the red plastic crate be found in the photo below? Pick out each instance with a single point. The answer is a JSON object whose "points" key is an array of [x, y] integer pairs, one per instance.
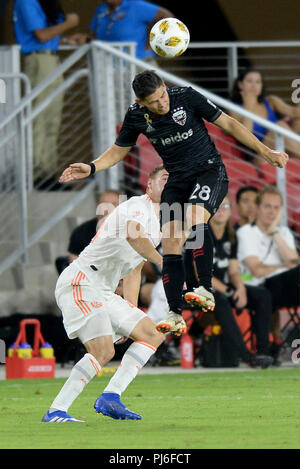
{"points": [[30, 367]]}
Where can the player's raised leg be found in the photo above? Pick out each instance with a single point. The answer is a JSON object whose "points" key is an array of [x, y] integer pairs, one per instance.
{"points": [[146, 340], [173, 239], [201, 243]]}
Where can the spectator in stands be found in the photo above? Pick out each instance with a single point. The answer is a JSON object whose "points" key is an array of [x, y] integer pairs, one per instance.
{"points": [[246, 205], [39, 25], [230, 291], [83, 234], [268, 256], [125, 20], [249, 92]]}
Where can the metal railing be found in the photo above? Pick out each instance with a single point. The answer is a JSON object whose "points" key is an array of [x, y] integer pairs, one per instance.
{"points": [[215, 65], [83, 133], [107, 73]]}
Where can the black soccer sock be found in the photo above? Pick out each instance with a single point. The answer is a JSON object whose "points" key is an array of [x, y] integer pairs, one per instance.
{"points": [[190, 275], [173, 279], [203, 253]]}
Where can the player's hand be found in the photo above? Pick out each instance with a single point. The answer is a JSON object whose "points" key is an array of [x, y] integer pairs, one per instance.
{"points": [[75, 171], [276, 158]]}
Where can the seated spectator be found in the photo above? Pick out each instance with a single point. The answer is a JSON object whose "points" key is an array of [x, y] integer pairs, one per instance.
{"points": [[127, 21], [230, 291], [246, 205], [267, 254], [83, 234], [249, 92]]}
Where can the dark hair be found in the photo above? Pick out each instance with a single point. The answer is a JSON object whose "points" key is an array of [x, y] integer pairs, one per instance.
{"points": [[243, 189], [235, 95], [52, 10], [146, 83]]}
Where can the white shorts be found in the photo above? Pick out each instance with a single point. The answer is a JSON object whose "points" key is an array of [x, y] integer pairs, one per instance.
{"points": [[88, 314]]}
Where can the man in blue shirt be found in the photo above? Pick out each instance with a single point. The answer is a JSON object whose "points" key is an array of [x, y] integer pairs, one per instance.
{"points": [[38, 26], [126, 21]]}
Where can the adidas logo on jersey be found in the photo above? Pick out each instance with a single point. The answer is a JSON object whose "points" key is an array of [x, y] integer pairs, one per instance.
{"points": [[177, 138], [96, 304]]}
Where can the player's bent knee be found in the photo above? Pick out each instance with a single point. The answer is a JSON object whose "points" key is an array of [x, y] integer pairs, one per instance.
{"points": [[145, 331], [153, 336], [102, 349], [104, 356]]}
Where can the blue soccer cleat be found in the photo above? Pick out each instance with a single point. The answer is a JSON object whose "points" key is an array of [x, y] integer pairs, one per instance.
{"points": [[59, 416], [109, 404]]}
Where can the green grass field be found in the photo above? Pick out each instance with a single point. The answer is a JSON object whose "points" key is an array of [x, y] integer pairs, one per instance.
{"points": [[251, 409]]}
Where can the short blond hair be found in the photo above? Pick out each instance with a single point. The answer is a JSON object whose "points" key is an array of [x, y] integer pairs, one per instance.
{"points": [[156, 170], [268, 190]]}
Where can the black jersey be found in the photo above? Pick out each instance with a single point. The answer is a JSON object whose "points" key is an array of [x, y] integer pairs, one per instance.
{"points": [[180, 136]]}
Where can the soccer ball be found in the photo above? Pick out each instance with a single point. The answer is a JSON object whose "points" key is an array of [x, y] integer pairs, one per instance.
{"points": [[169, 37]]}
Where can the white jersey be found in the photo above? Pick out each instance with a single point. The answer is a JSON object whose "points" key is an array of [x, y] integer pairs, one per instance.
{"points": [[109, 257], [253, 242]]}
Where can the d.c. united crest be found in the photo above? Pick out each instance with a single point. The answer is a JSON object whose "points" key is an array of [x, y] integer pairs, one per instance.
{"points": [[179, 116]]}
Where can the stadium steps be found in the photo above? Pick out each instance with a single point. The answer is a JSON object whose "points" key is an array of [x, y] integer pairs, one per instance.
{"points": [[30, 288]]}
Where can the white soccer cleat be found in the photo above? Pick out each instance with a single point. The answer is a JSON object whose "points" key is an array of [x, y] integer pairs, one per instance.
{"points": [[201, 297], [173, 323]]}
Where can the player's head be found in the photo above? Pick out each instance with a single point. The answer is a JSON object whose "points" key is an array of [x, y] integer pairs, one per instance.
{"points": [[107, 202], [156, 183], [269, 205], [151, 92], [246, 203]]}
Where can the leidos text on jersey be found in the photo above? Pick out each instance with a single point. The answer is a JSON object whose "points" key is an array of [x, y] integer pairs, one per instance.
{"points": [[177, 138]]}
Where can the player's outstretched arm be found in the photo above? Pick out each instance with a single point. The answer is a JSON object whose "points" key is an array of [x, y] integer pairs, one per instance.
{"points": [[109, 158], [243, 135], [140, 242]]}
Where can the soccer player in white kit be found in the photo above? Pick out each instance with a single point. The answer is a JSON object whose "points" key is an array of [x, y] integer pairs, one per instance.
{"points": [[97, 316]]}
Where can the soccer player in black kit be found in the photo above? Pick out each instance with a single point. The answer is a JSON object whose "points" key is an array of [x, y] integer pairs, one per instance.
{"points": [[172, 119]]}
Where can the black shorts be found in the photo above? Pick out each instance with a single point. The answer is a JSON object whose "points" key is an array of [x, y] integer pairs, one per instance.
{"points": [[207, 187]]}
